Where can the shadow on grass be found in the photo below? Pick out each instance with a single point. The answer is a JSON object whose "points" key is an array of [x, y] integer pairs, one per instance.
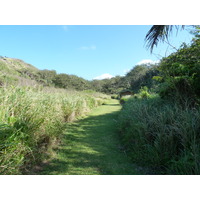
{"points": [[111, 104], [91, 146]]}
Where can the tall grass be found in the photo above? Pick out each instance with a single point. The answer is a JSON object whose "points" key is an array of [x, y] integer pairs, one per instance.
{"points": [[161, 135], [32, 121]]}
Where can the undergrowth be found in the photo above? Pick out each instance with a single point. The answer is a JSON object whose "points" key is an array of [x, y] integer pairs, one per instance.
{"points": [[161, 135]]}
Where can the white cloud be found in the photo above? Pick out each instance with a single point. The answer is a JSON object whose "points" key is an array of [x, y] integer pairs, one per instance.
{"points": [[125, 71], [91, 47], [147, 61], [103, 76]]}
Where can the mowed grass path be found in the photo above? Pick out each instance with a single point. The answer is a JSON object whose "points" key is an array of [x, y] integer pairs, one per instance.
{"points": [[91, 146]]}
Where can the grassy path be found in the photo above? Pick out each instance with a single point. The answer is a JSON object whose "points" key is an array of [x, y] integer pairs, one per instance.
{"points": [[91, 146]]}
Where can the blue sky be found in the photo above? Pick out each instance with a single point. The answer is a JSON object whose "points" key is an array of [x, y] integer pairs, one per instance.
{"points": [[87, 51]]}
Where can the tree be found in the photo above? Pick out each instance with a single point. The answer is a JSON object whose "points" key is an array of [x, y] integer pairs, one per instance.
{"points": [[159, 33], [141, 75], [180, 72], [47, 76]]}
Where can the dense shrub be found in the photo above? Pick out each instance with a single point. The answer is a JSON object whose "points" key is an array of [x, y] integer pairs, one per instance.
{"points": [[161, 135], [180, 73], [143, 92]]}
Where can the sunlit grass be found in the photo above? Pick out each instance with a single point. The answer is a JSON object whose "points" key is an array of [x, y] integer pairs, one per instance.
{"points": [[32, 121], [91, 146]]}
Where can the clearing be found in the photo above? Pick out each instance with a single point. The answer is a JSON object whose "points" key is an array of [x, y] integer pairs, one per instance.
{"points": [[91, 146]]}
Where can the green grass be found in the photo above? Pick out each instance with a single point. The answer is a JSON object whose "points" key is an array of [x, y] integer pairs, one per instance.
{"points": [[91, 146], [32, 121], [161, 135]]}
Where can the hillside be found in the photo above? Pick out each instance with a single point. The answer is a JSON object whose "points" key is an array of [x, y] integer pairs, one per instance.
{"points": [[14, 64], [16, 71]]}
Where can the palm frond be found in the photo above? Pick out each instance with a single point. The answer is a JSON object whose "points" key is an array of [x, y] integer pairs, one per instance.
{"points": [[159, 33]]}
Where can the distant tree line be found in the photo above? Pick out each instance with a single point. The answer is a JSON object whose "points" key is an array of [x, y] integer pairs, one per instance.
{"points": [[139, 76]]}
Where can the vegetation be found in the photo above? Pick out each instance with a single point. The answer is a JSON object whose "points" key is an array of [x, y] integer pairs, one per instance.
{"points": [[17, 72], [161, 135], [180, 73], [158, 125], [92, 149], [159, 33], [161, 131], [32, 122]]}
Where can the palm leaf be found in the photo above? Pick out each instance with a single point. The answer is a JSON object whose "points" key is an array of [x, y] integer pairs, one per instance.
{"points": [[158, 33]]}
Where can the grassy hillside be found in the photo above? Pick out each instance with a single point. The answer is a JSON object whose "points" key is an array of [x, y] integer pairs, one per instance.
{"points": [[14, 65], [16, 71]]}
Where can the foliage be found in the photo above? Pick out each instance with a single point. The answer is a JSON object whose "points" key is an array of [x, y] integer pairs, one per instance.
{"points": [[18, 72], [161, 135], [143, 92], [164, 131], [47, 77], [158, 33], [70, 82], [124, 99], [15, 70], [91, 146], [108, 86], [142, 75], [32, 122], [139, 76], [180, 73]]}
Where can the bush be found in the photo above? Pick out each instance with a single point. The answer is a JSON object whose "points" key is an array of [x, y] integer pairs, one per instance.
{"points": [[180, 73], [161, 135], [124, 99], [143, 92]]}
